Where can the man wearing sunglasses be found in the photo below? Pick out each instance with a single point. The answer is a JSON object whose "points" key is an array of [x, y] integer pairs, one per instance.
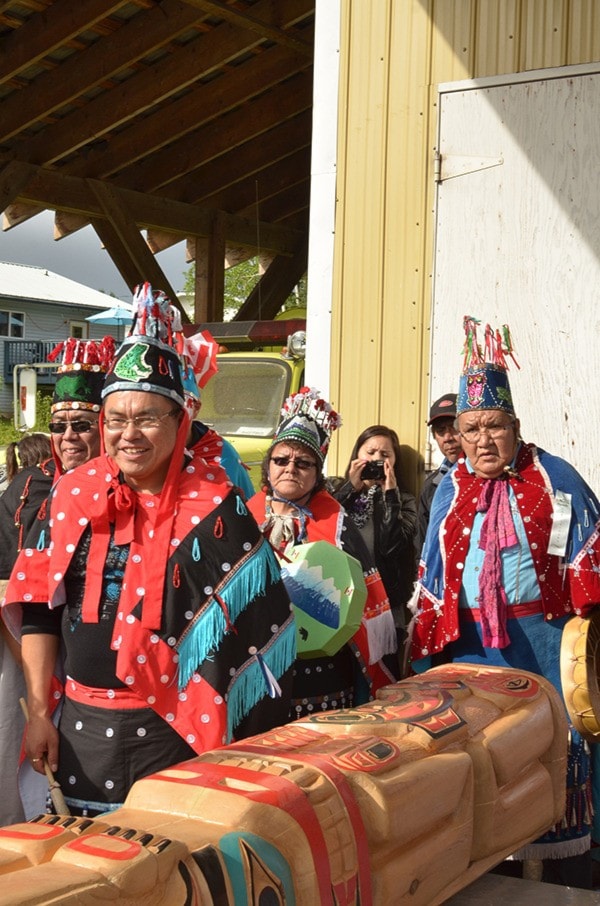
{"points": [[77, 400], [75, 439]]}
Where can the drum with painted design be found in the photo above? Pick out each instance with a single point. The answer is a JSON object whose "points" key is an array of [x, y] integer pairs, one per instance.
{"points": [[580, 672], [328, 593]]}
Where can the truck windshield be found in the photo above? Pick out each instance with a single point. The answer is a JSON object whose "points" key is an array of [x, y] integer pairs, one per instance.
{"points": [[245, 397]]}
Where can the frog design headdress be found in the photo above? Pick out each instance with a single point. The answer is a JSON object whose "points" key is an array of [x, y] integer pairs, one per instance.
{"points": [[156, 357]]}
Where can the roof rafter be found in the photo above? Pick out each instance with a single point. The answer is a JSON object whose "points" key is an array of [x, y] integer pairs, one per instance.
{"points": [[87, 69], [69, 193], [254, 24], [193, 111], [139, 93], [230, 130], [257, 153], [42, 34], [182, 119]]}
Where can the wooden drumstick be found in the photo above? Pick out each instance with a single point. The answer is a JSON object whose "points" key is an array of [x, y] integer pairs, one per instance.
{"points": [[58, 800]]}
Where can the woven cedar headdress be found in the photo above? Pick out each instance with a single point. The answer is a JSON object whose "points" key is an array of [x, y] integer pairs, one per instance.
{"points": [[483, 383], [309, 420], [81, 370]]}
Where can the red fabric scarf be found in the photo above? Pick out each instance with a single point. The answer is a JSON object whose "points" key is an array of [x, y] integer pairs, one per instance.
{"points": [[497, 533]]}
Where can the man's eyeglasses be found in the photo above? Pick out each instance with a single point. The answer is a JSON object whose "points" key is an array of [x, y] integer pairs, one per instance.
{"points": [[141, 422], [303, 464], [495, 432], [81, 426]]}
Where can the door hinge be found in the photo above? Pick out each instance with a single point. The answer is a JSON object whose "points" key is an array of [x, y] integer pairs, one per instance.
{"points": [[453, 165]]}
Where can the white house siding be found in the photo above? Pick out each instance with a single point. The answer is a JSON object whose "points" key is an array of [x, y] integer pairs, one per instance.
{"points": [[50, 304]]}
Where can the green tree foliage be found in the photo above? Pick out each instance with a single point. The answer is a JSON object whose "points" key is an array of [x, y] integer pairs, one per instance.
{"points": [[239, 283], [9, 433]]}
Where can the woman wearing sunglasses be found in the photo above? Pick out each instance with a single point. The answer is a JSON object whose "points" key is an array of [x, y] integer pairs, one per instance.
{"points": [[295, 508]]}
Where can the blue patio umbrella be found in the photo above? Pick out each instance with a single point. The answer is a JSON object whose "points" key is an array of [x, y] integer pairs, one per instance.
{"points": [[117, 315]]}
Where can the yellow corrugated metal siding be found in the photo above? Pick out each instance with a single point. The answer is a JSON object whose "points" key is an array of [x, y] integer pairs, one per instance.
{"points": [[394, 53]]}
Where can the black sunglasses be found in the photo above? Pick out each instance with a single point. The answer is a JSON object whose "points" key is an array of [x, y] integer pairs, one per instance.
{"points": [[81, 426], [303, 464]]}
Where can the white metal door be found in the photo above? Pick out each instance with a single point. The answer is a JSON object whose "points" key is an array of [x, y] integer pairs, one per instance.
{"points": [[518, 242]]}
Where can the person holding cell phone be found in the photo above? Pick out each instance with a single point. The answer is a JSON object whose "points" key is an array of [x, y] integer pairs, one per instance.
{"points": [[385, 514]]}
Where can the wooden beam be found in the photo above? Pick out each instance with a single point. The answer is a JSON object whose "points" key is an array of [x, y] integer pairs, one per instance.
{"points": [[94, 65], [235, 255], [254, 24], [50, 189], [232, 129], [201, 306], [128, 234], [139, 94], [119, 255], [257, 153], [42, 34], [216, 269], [17, 213], [67, 224], [14, 176], [159, 240], [270, 293], [193, 111]]}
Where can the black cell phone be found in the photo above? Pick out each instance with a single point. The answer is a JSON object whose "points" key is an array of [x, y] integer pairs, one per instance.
{"points": [[373, 470]]}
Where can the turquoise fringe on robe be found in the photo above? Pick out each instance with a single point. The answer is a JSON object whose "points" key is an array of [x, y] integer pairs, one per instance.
{"points": [[210, 624]]}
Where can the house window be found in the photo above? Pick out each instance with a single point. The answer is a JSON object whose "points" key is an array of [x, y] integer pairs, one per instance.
{"points": [[79, 330], [12, 324]]}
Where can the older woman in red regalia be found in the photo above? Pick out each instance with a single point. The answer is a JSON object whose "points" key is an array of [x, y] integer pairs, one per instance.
{"points": [[294, 508]]}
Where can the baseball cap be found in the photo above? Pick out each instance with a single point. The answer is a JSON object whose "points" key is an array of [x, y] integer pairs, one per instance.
{"points": [[444, 407]]}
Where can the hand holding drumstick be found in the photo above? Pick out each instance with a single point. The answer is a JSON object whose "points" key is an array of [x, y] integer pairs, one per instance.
{"points": [[58, 800]]}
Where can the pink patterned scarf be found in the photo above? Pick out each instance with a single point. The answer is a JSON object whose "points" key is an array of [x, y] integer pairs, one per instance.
{"points": [[497, 533]]}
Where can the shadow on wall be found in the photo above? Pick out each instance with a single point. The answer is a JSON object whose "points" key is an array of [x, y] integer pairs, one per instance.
{"points": [[413, 468]]}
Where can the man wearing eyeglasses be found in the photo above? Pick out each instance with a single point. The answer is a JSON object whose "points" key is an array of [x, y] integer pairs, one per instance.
{"points": [[512, 553], [167, 600]]}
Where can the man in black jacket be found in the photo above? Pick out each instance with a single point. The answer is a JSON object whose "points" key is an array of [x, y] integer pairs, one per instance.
{"points": [[442, 416]]}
